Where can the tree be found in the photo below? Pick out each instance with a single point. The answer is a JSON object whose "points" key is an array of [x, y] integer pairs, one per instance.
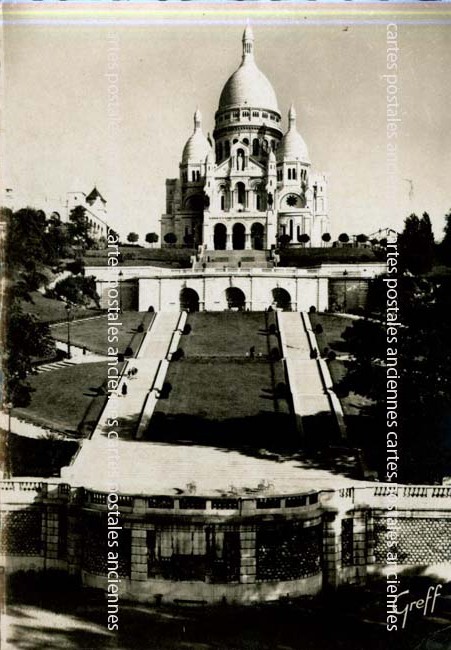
{"points": [[170, 238], [79, 229], [343, 238], [132, 237], [304, 238], [416, 245], [78, 290], [151, 238], [326, 237], [26, 339], [361, 239], [445, 246], [421, 362], [284, 240]]}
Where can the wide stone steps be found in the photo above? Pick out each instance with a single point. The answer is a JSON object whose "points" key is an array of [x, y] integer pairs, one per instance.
{"points": [[309, 395], [56, 365]]}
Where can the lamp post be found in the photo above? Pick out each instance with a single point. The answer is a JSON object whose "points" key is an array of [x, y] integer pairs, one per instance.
{"points": [[120, 290], [345, 273], [68, 312]]}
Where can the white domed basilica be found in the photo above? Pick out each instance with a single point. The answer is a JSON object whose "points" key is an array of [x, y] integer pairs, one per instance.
{"points": [[253, 183]]}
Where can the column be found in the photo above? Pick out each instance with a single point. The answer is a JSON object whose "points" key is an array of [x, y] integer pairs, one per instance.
{"points": [[74, 539], [359, 545], [229, 243], [247, 241], [248, 565], [51, 533], [138, 560], [332, 550]]}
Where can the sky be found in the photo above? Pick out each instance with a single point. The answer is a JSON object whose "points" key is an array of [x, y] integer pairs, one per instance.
{"points": [[58, 136]]}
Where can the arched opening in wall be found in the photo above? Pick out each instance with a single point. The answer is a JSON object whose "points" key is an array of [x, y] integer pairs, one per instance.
{"points": [[255, 147], [241, 194], [226, 149], [220, 237], [281, 299], [219, 152], [235, 299], [238, 236], [257, 236], [189, 300]]}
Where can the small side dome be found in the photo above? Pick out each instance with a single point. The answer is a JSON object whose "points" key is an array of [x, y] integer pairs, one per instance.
{"points": [[292, 146], [197, 146]]}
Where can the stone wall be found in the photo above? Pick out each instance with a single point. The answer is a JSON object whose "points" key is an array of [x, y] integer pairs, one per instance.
{"points": [[241, 549]]}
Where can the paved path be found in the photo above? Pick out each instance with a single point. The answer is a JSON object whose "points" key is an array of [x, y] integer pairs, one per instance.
{"points": [[309, 394], [152, 352], [124, 413]]}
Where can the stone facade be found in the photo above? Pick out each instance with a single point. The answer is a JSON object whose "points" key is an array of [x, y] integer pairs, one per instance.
{"points": [[250, 183], [210, 289], [234, 549]]}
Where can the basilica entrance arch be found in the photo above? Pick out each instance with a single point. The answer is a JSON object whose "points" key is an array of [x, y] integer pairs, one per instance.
{"points": [[281, 299], [238, 236], [235, 298], [257, 236], [220, 237], [189, 300]]}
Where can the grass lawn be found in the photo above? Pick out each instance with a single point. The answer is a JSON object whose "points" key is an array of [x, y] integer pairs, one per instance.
{"points": [[224, 402], [220, 396], [93, 333], [49, 310], [333, 328], [66, 399], [226, 334]]}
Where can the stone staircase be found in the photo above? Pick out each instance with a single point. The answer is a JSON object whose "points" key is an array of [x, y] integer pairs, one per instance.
{"points": [[55, 365]]}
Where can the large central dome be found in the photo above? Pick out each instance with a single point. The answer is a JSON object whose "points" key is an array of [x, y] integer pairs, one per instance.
{"points": [[248, 86]]}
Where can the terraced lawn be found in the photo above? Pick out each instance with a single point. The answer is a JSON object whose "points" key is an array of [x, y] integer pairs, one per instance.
{"points": [[66, 400], [218, 393], [227, 334], [333, 327], [93, 333]]}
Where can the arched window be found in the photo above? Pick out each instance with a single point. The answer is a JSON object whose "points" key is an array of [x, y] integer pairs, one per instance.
{"points": [[193, 176], [222, 202], [258, 201], [255, 147], [294, 174], [219, 152], [246, 141], [241, 193], [289, 174]]}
